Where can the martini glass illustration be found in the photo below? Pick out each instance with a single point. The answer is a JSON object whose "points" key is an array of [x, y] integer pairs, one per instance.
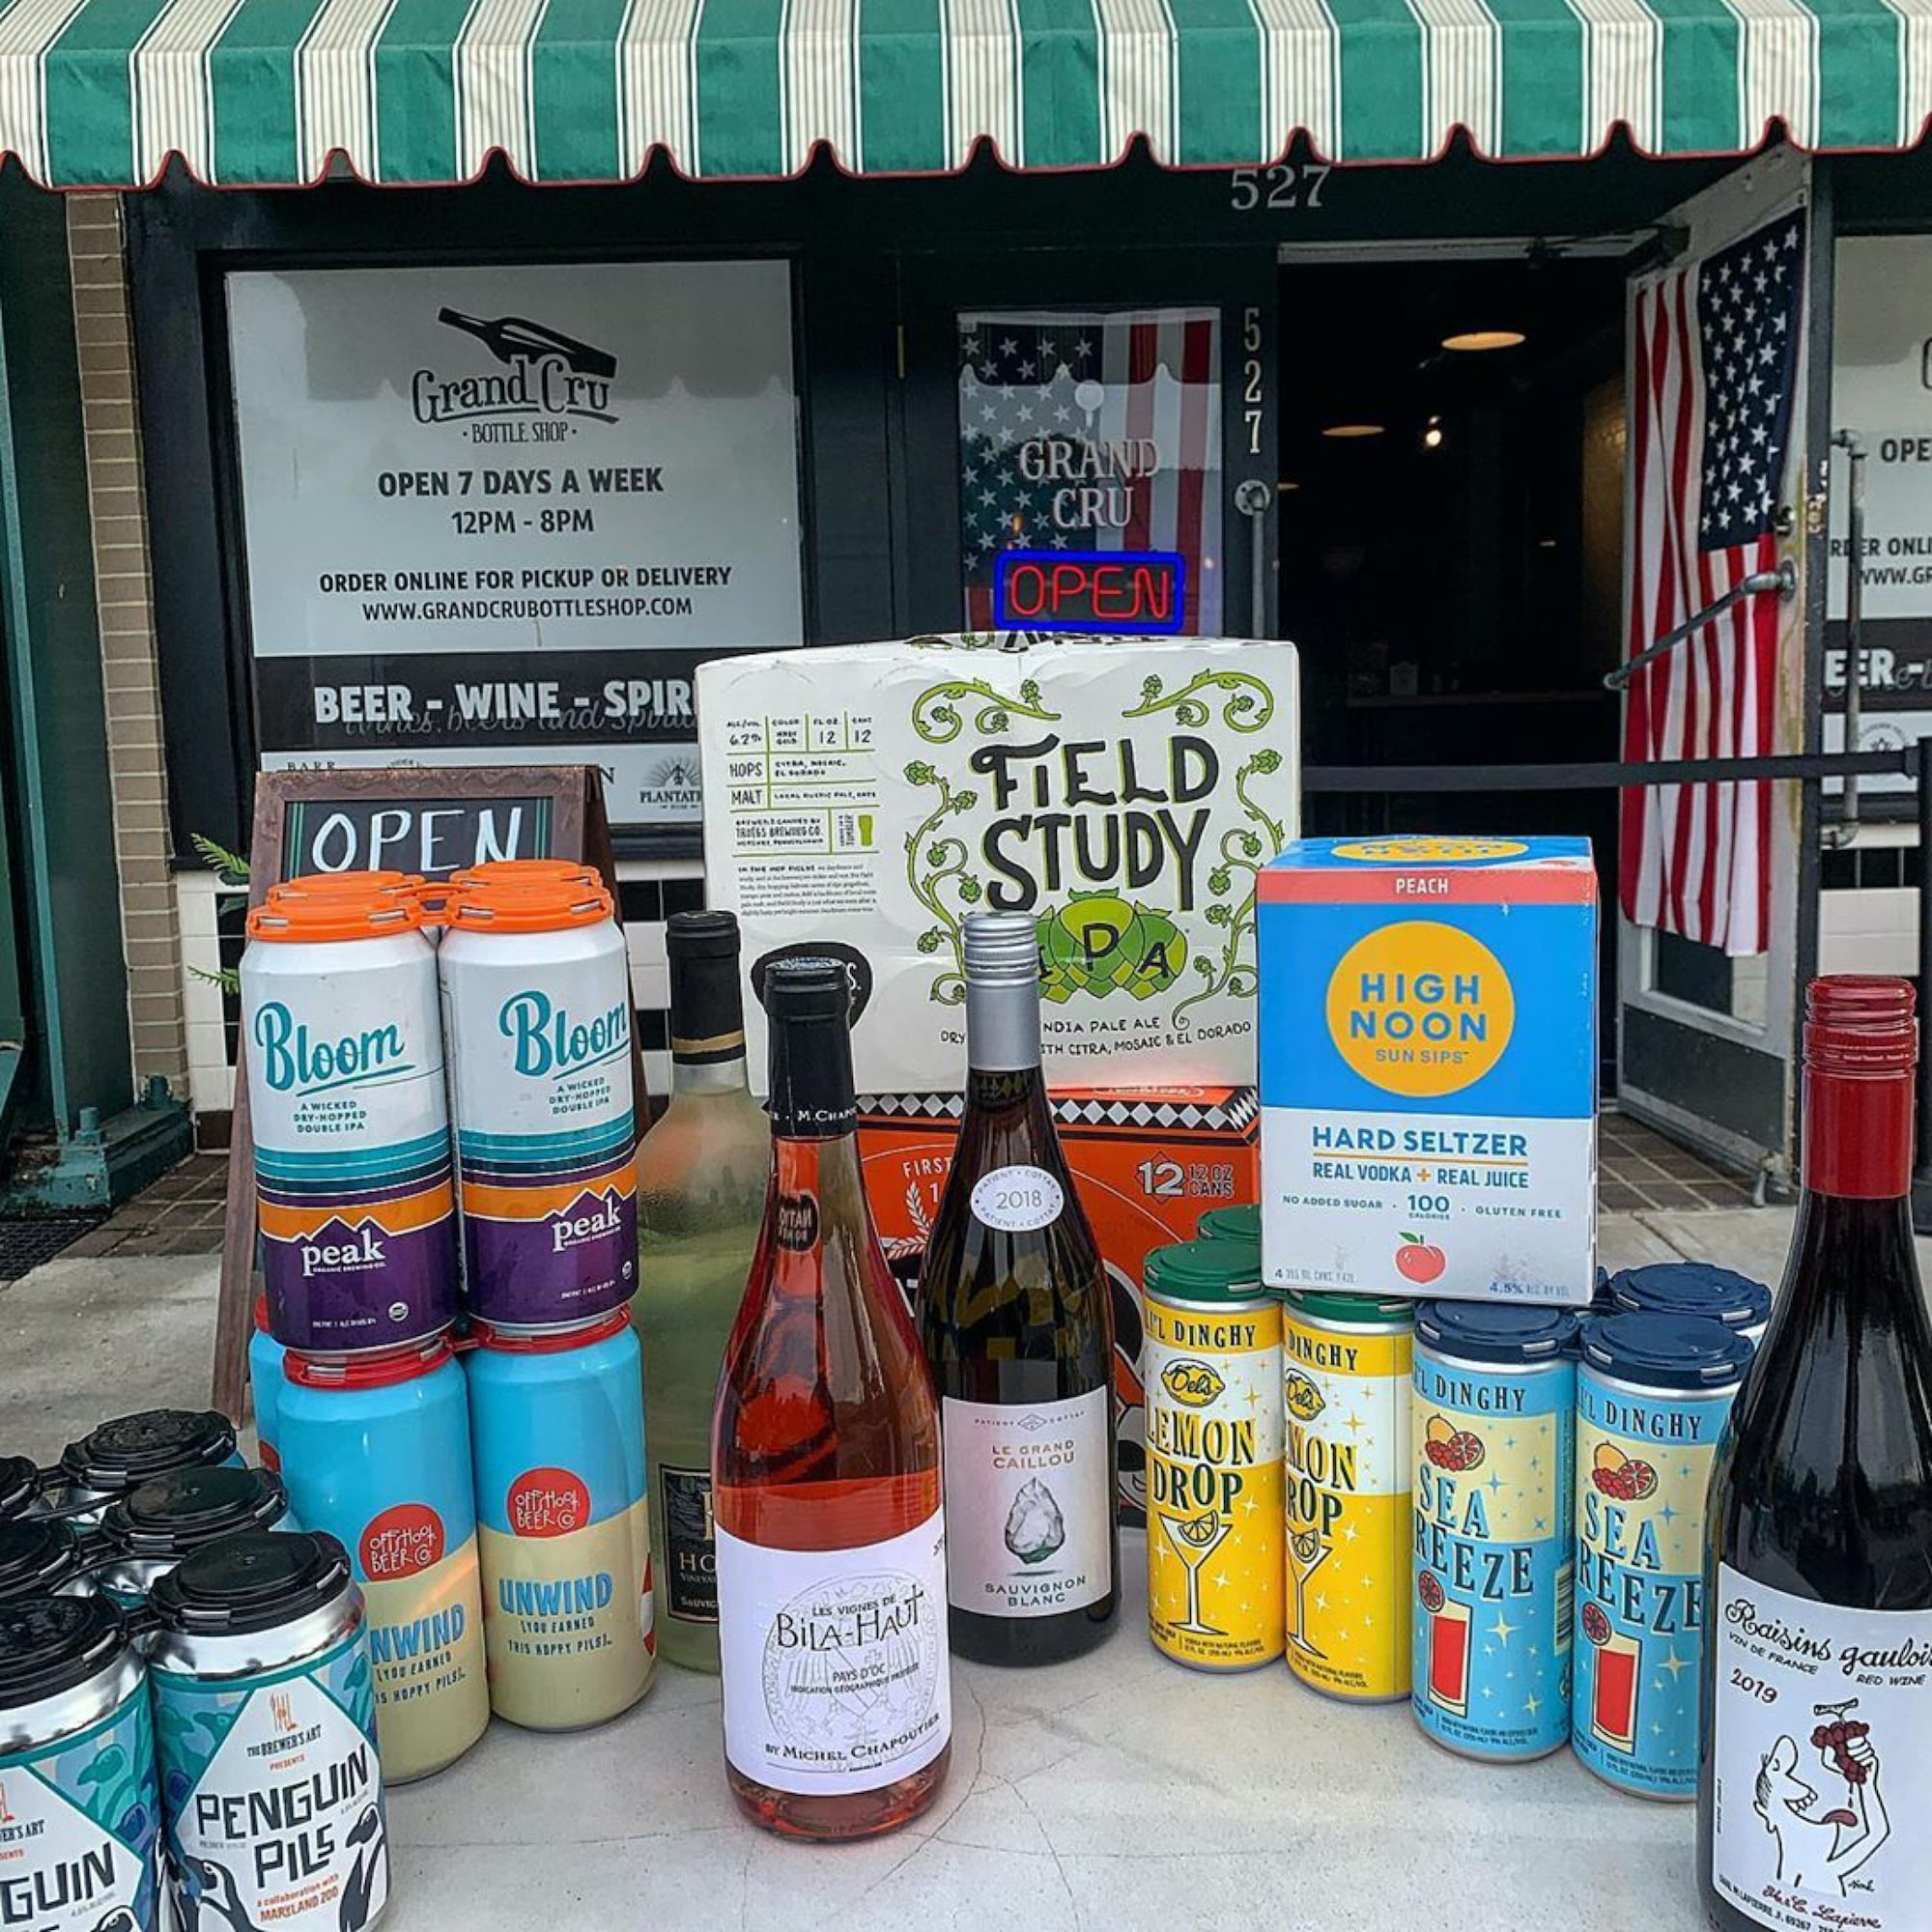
{"points": [[1195, 1539], [1306, 1554]]}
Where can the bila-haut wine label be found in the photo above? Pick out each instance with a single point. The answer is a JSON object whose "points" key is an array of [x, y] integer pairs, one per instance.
{"points": [[1822, 1748], [1018, 1199], [1029, 1505], [835, 1661]]}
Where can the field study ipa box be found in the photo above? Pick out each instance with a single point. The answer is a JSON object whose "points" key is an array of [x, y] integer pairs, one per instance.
{"points": [[863, 800], [1148, 1163], [1429, 1066]]}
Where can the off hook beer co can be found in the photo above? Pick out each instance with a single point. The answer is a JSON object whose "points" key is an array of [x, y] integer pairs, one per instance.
{"points": [[378, 1450], [272, 1786], [1345, 1370], [144, 1533], [1653, 1393], [352, 1131], [1492, 1429], [121, 1454], [264, 1386], [79, 1804], [1211, 1363], [536, 993], [568, 1610]]}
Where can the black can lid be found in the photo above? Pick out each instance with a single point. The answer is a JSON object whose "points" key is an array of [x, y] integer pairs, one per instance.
{"points": [[251, 1582], [19, 1486], [126, 1452], [39, 1555], [50, 1644], [186, 1508]]}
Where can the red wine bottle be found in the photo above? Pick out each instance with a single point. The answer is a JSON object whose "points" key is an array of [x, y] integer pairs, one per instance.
{"points": [[1816, 1752], [831, 1544], [1017, 1315]]}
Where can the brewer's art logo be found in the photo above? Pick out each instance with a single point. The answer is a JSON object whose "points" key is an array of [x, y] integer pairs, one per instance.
{"points": [[546, 374]]}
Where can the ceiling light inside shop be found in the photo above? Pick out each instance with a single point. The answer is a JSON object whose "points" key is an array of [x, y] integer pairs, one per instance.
{"points": [[1350, 431], [1475, 341], [1432, 435]]}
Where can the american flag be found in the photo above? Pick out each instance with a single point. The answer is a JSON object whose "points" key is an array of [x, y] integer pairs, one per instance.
{"points": [[1072, 391], [1714, 347]]}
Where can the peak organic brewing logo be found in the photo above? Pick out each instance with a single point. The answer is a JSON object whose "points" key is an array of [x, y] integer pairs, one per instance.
{"points": [[546, 374], [1421, 1008]]}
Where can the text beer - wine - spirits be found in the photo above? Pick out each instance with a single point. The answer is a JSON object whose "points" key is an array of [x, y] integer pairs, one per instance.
{"points": [[1817, 1738], [701, 1190], [825, 1464], [1016, 1317]]}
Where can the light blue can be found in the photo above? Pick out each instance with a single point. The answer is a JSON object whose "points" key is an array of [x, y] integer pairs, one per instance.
{"points": [[1493, 1402], [376, 1451], [265, 1384], [1651, 1398]]}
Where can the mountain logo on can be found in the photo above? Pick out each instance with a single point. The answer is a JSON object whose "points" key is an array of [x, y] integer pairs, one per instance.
{"points": [[402, 1541], [548, 1502]]}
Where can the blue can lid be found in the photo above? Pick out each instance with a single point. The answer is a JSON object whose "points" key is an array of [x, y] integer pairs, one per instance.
{"points": [[1692, 1287], [1497, 1331], [1668, 1351]]}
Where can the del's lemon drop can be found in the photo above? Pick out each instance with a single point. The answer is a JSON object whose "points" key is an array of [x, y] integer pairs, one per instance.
{"points": [[351, 1129], [376, 1451], [536, 989], [1212, 1362], [1653, 1393], [1492, 1429], [1344, 1375], [558, 1429]]}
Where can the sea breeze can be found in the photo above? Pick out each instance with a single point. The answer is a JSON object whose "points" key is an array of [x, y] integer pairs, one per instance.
{"points": [[344, 1042], [121, 1454], [264, 1385], [1694, 1289], [1212, 1362], [537, 991], [558, 1427], [41, 1556], [271, 1787], [1653, 1393], [143, 1534], [80, 1829], [377, 1451], [1491, 1430], [1345, 1390]]}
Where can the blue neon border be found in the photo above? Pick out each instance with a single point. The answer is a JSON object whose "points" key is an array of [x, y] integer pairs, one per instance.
{"points": [[1092, 626]]}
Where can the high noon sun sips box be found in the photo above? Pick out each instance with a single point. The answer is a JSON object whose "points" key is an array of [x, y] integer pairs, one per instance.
{"points": [[1428, 1067]]}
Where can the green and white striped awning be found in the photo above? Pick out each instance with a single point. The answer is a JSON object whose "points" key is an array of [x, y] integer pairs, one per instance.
{"points": [[101, 93]]}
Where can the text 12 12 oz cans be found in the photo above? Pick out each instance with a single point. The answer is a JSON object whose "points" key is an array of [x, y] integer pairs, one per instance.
{"points": [[568, 1611], [376, 1453], [81, 1828], [1211, 1364], [1652, 1395], [1492, 1429], [351, 1124], [1345, 1365], [536, 992], [272, 1786]]}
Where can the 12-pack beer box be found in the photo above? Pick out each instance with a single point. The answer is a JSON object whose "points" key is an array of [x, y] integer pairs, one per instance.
{"points": [[1147, 1162], [1429, 1066], [864, 800]]}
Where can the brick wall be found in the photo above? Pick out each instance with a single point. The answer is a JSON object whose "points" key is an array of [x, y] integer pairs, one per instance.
{"points": [[136, 767]]}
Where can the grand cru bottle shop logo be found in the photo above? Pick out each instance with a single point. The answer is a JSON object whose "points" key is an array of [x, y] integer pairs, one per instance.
{"points": [[547, 376]]}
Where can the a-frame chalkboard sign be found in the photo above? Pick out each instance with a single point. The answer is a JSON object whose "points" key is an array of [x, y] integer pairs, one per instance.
{"points": [[432, 819]]}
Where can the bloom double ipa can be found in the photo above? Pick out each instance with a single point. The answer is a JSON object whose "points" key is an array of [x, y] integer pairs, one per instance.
{"points": [[537, 991], [1212, 1362], [351, 1129], [559, 1430], [1345, 1380], [271, 1787], [1491, 1430], [80, 1821], [1653, 1393], [376, 1453]]}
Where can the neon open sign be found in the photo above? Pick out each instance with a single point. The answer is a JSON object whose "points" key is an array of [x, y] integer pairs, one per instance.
{"points": [[1138, 590]]}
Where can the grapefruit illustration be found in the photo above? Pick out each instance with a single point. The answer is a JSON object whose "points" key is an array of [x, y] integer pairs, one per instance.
{"points": [[1419, 1261]]}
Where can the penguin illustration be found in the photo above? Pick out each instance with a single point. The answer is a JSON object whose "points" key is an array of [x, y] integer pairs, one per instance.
{"points": [[219, 1897], [353, 1910], [118, 1919]]}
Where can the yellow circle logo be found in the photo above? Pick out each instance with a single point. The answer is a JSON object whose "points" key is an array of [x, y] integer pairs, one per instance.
{"points": [[1420, 1008], [1191, 1382], [1423, 850]]}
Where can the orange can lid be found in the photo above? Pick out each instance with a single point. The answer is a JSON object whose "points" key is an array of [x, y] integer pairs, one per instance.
{"points": [[301, 921], [528, 906], [527, 872], [345, 884]]}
